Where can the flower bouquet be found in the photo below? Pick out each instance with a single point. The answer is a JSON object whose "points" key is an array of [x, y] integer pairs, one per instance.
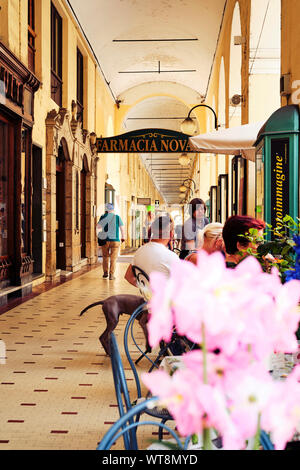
{"points": [[238, 318]]}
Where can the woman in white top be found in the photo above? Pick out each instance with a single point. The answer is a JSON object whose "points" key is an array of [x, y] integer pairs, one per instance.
{"points": [[210, 239]]}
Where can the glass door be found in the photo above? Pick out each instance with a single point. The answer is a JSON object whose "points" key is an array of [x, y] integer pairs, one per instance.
{"points": [[213, 203], [239, 189], [260, 184], [222, 200]]}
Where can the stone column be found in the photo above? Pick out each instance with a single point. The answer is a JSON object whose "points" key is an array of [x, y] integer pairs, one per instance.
{"points": [[51, 152]]}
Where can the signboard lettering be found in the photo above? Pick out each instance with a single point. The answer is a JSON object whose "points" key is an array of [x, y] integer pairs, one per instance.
{"points": [[10, 88], [146, 141], [279, 182]]}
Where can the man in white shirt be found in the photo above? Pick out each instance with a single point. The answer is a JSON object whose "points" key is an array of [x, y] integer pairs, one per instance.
{"points": [[155, 256]]}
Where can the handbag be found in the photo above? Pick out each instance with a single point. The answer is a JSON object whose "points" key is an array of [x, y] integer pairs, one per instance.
{"points": [[101, 241]]}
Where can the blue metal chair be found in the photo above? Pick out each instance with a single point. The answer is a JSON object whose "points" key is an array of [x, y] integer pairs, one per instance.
{"points": [[129, 423], [121, 389], [127, 427], [129, 329], [266, 441]]}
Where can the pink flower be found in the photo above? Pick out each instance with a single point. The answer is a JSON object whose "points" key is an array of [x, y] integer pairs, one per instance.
{"points": [[180, 394], [245, 313], [248, 391], [282, 414], [219, 366]]}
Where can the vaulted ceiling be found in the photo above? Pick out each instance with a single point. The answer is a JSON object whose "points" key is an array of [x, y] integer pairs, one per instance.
{"points": [[159, 45]]}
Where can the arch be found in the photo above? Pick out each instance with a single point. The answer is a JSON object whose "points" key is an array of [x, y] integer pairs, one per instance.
{"points": [[162, 112], [85, 164], [134, 95], [235, 67], [64, 146]]}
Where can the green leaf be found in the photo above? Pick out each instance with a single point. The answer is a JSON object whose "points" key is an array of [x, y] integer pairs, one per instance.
{"points": [[167, 444]]}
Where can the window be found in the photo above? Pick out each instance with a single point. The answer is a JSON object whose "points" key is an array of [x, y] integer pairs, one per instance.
{"points": [[31, 36], [79, 86], [4, 188], [56, 56], [222, 199], [25, 190]]}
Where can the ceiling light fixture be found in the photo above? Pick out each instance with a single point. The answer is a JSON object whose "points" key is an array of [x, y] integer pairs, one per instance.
{"points": [[184, 159]]}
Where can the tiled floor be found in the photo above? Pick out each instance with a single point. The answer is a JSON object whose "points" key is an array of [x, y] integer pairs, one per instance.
{"points": [[56, 386]]}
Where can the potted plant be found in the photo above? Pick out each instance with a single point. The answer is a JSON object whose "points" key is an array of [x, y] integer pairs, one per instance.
{"points": [[238, 317]]}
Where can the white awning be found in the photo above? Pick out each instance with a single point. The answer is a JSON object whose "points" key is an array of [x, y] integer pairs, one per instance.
{"points": [[232, 141]]}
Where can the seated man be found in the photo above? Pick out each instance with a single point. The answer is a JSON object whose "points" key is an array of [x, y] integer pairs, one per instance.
{"points": [[155, 256]]}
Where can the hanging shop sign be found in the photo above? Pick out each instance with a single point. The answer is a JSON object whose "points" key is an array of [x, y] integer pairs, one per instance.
{"points": [[146, 141], [280, 201], [144, 201], [17, 84]]}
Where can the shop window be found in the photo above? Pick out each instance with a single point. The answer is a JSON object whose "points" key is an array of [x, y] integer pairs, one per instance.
{"points": [[222, 201], [238, 191], [56, 56], [31, 36], [25, 188], [213, 203], [3, 189], [260, 184], [79, 86]]}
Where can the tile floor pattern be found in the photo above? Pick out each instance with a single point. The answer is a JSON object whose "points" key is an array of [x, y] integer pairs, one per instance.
{"points": [[56, 386]]}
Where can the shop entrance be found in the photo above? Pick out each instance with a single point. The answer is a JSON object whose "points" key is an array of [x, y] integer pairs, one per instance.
{"points": [[60, 210], [83, 210], [37, 215], [7, 238]]}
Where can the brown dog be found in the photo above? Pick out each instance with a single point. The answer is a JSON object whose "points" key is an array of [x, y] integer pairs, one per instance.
{"points": [[115, 306]]}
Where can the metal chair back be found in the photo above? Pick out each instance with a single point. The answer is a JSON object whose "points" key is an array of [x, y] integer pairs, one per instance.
{"points": [[121, 389], [128, 424]]}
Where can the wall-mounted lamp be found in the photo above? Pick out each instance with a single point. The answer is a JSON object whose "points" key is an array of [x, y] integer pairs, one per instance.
{"points": [[185, 186], [188, 126]]}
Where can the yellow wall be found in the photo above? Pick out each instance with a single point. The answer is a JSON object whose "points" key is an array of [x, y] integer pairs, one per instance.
{"points": [[258, 102], [101, 115], [100, 110], [290, 44]]}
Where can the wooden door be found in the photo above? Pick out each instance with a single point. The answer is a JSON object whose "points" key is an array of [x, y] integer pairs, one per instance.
{"points": [[60, 216], [83, 213]]}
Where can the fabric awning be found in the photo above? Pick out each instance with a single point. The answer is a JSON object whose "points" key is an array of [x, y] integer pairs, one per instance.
{"points": [[232, 141]]}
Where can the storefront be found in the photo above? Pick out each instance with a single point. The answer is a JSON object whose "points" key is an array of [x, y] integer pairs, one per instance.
{"points": [[71, 170], [277, 168], [17, 88]]}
